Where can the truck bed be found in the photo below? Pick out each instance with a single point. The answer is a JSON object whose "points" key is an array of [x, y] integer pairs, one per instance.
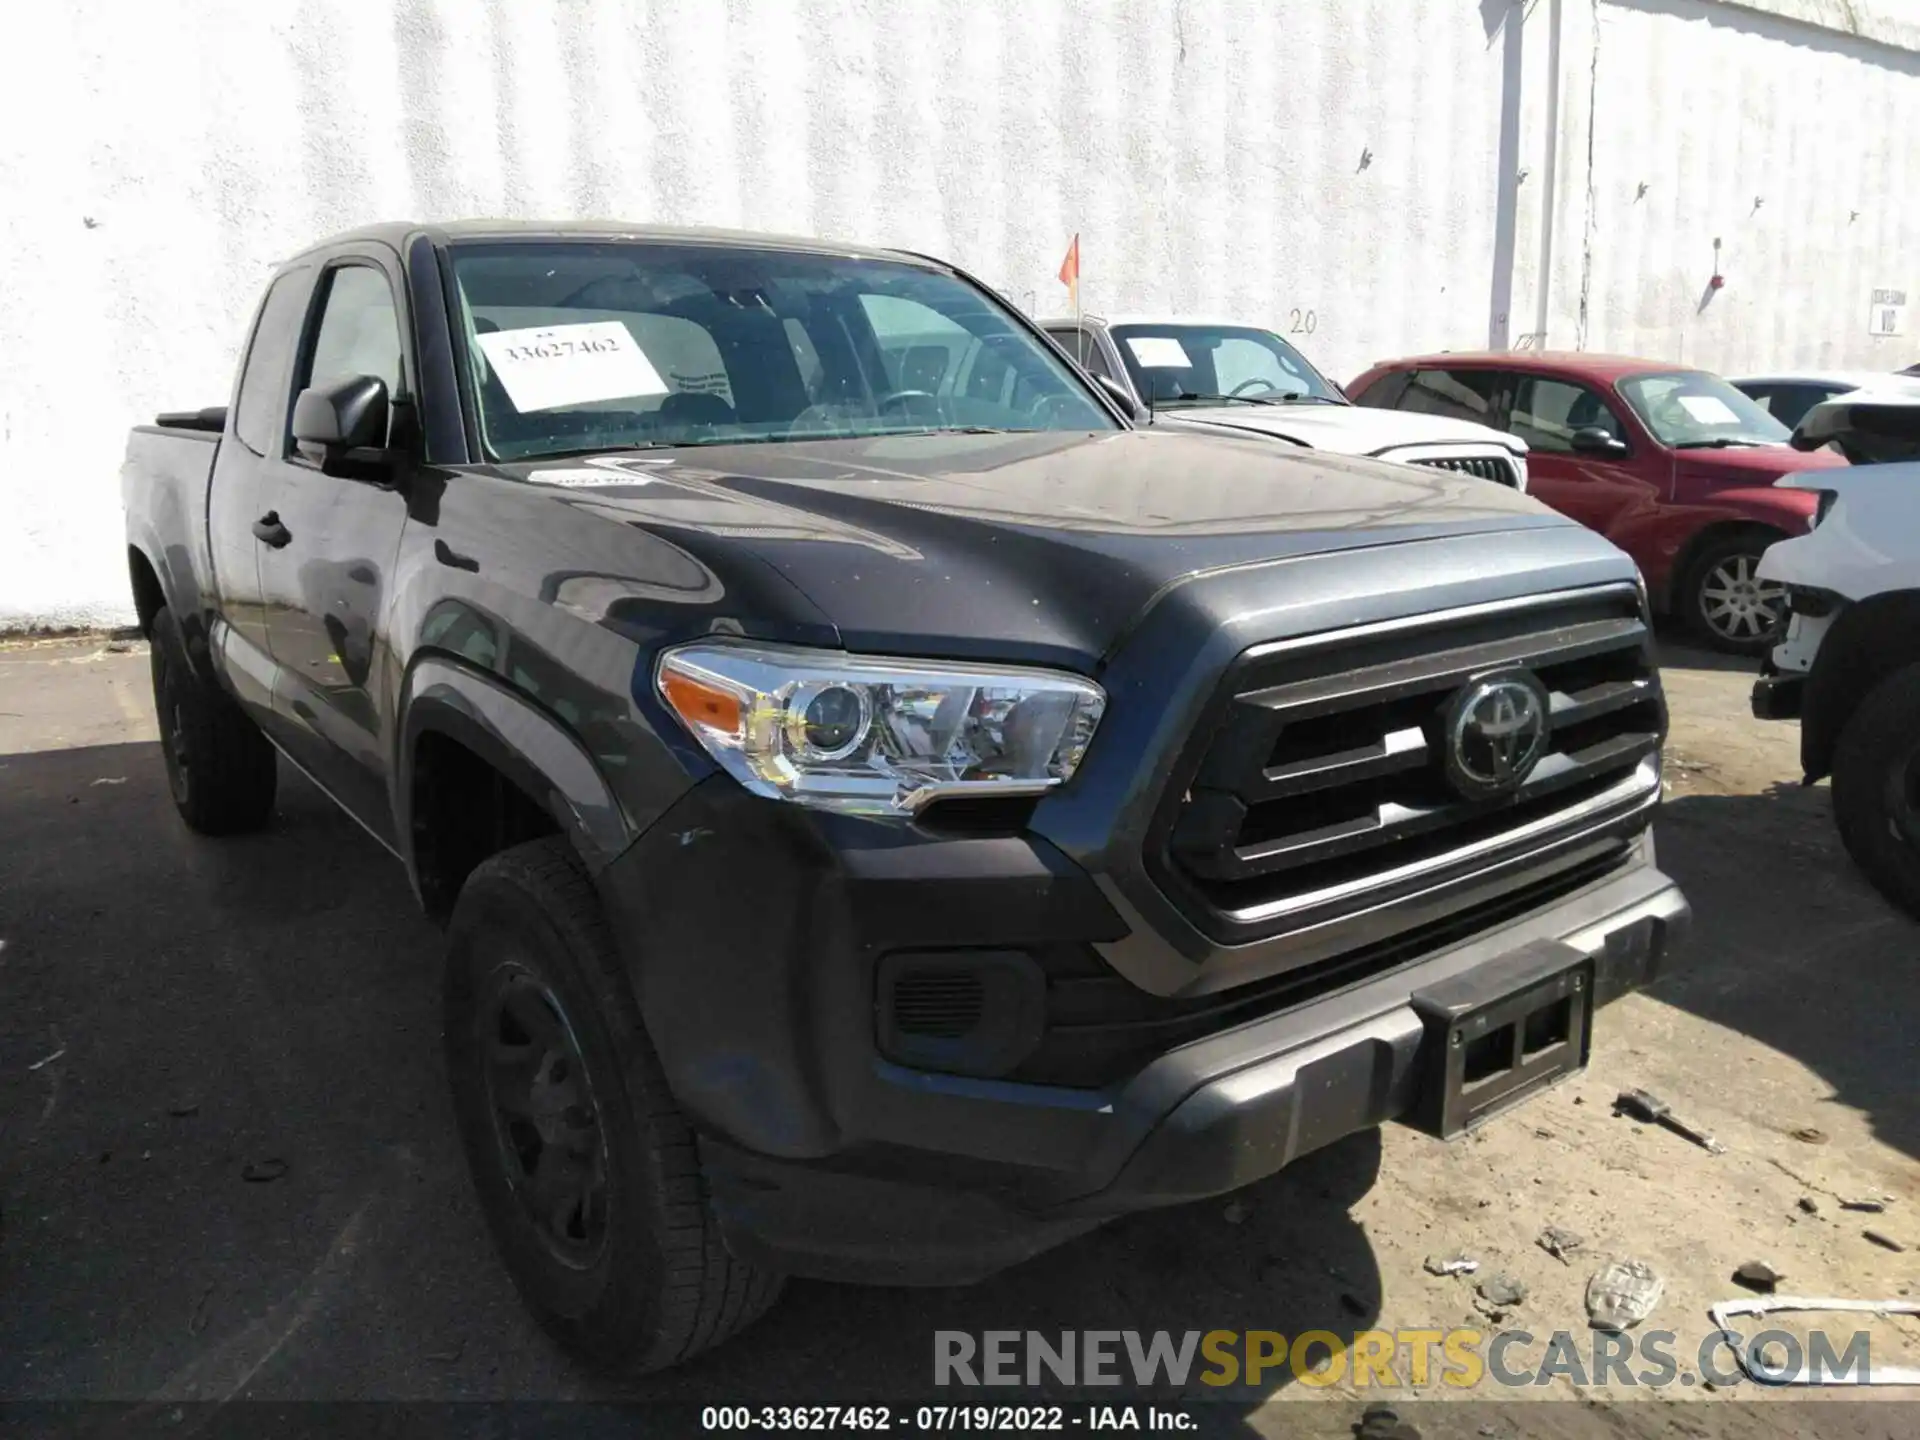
{"points": [[164, 483]]}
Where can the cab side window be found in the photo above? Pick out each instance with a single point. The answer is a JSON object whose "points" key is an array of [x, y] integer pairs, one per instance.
{"points": [[261, 393], [359, 330]]}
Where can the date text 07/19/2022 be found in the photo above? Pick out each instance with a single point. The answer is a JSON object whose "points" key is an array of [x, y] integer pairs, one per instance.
{"points": [[939, 1419]]}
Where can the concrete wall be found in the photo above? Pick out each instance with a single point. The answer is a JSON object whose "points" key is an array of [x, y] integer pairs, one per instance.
{"points": [[1379, 175]]}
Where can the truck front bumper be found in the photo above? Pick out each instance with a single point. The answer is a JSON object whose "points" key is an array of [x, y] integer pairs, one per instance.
{"points": [[754, 958]]}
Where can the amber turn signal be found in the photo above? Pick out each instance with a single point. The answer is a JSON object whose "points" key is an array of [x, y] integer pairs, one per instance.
{"points": [[701, 705]]}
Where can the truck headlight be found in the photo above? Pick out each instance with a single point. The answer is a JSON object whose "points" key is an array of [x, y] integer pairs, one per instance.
{"points": [[877, 736]]}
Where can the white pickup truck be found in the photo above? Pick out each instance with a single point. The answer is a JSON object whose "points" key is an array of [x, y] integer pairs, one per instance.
{"points": [[1849, 668], [1220, 375]]}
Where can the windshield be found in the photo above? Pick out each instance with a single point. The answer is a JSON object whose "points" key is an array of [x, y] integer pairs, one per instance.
{"points": [[1691, 410], [597, 345], [1183, 365]]}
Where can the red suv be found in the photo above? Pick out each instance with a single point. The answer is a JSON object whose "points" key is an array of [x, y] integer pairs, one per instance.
{"points": [[1674, 466]]}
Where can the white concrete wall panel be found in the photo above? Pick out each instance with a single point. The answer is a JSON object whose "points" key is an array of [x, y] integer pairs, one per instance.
{"points": [[1790, 144], [1335, 158]]}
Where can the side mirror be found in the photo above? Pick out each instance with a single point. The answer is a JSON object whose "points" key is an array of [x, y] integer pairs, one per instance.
{"points": [[1123, 397], [342, 426], [1592, 440]]}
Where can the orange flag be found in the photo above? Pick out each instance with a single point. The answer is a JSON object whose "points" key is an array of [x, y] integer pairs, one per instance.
{"points": [[1070, 272]]}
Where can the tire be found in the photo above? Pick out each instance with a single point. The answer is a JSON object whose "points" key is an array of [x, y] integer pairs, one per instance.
{"points": [[585, 1168], [220, 768], [1876, 788], [1723, 606]]}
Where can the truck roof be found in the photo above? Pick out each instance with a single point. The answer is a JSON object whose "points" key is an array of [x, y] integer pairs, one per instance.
{"points": [[398, 232]]}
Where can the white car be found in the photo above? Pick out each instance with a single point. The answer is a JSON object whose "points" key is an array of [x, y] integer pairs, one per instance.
{"points": [[1849, 667], [1788, 397], [1219, 375]]}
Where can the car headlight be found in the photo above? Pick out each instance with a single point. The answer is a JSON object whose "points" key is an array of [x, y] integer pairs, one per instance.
{"points": [[877, 736]]}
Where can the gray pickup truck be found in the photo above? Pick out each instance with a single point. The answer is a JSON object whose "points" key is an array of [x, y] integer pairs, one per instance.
{"points": [[889, 812]]}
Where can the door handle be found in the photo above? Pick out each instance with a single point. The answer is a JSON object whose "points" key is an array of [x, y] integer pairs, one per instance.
{"points": [[269, 531], [447, 555]]}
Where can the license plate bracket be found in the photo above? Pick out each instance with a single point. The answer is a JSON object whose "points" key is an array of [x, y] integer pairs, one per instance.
{"points": [[1501, 1033]]}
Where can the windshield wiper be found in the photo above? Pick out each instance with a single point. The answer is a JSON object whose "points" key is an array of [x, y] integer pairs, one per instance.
{"points": [[578, 451], [1720, 442], [1291, 398]]}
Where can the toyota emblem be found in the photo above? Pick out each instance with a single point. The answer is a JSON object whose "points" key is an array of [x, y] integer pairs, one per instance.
{"points": [[1496, 733]]}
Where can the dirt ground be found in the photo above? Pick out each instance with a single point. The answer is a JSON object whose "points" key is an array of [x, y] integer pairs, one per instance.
{"points": [[181, 1014]]}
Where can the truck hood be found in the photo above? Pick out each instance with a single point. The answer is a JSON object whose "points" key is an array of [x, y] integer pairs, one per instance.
{"points": [[1346, 429], [1041, 546]]}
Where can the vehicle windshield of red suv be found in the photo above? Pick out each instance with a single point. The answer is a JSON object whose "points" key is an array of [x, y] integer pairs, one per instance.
{"points": [[1692, 410]]}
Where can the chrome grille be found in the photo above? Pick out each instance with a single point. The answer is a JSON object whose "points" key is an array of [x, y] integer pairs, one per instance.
{"points": [[1319, 787], [1485, 467]]}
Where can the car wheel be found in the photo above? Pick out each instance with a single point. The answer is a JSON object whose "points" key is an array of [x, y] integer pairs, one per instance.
{"points": [[220, 768], [1726, 605], [585, 1168], [1876, 787]]}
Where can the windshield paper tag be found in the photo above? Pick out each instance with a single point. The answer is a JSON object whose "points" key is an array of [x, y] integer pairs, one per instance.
{"points": [[1159, 350], [558, 365], [1708, 409]]}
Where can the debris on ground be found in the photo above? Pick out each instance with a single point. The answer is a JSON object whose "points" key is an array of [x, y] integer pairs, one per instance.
{"points": [[1559, 1243], [1809, 1205], [1810, 1135], [1654, 1111], [1451, 1265], [197, 1319], [1866, 1205], [1759, 1276], [1885, 1241], [1237, 1211], [47, 1060], [109, 780], [1382, 1422], [1502, 1290], [448, 1357], [183, 1109], [1727, 1311], [1622, 1293], [259, 1172]]}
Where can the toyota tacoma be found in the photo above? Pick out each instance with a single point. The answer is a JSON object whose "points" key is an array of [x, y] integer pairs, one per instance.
{"points": [[888, 812]]}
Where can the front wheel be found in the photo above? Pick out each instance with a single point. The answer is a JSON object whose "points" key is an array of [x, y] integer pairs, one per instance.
{"points": [[1876, 788], [585, 1168], [1725, 603]]}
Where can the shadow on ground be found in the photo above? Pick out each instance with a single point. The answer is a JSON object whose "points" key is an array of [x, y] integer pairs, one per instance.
{"points": [[227, 1164], [1792, 947]]}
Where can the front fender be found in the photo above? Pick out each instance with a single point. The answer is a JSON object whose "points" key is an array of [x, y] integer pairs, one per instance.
{"points": [[518, 739]]}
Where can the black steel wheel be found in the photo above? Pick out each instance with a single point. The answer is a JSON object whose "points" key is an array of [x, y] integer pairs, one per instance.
{"points": [[587, 1172]]}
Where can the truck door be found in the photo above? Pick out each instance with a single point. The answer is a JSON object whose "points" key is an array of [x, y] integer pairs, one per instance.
{"points": [[327, 551], [258, 418]]}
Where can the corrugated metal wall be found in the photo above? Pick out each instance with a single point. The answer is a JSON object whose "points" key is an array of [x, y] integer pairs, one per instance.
{"points": [[1331, 167]]}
